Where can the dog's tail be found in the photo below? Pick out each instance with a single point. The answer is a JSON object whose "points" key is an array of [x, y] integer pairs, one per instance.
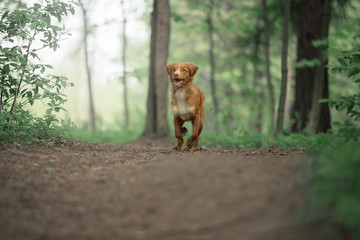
{"points": [[183, 131]]}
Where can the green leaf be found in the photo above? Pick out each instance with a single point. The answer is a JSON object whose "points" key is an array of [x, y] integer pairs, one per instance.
{"points": [[33, 25], [29, 95], [72, 10], [37, 6], [353, 71], [342, 62], [48, 19], [6, 68], [6, 94], [58, 16], [4, 15]]}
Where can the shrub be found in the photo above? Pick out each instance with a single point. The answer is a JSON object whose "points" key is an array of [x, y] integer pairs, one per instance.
{"points": [[23, 78], [335, 178], [335, 186], [21, 127]]}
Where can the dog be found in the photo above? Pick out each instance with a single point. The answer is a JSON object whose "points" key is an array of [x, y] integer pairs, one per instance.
{"points": [[187, 103]]}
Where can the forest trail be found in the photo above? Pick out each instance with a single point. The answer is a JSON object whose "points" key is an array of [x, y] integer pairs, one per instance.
{"points": [[145, 190]]}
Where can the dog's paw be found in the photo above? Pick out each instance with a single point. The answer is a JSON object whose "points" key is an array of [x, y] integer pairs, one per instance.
{"points": [[176, 148], [190, 143], [199, 148]]}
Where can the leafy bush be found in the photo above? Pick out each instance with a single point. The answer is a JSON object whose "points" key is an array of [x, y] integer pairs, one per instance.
{"points": [[23, 128], [350, 65], [335, 178], [335, 186], [23, 79]]}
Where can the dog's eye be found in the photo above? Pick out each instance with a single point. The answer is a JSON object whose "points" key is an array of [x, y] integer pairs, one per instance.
{"points": [[173, 69], [184, 70]]}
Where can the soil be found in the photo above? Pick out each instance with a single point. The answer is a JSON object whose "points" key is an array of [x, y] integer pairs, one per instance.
{"points": [[146, 190]]}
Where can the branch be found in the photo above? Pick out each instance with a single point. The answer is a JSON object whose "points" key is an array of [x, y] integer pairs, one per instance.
{"points": [[45, 46], [22, 75]]}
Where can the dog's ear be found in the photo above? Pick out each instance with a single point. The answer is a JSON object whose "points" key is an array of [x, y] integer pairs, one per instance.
{"points": [[168, 68], [193, 69]]}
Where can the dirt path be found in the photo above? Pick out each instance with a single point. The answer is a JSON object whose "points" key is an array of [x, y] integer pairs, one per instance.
{"points": [[142, 191]]}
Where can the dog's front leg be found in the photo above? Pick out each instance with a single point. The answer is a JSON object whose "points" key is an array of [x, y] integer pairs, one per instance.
{"points": [[178, 122], [193, 141]]}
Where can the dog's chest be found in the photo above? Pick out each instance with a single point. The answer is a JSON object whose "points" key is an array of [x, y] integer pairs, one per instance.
{"points": [[180, 108]]}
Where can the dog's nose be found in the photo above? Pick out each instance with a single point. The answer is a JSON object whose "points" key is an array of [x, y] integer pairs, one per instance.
{"points": [[176, 74]]}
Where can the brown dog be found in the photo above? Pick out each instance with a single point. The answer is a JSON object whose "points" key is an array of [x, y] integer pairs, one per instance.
{"points": [[187, 103]]}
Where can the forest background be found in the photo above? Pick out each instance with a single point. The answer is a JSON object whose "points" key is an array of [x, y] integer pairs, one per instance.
{"points": [[236, 47], [104, 67]]}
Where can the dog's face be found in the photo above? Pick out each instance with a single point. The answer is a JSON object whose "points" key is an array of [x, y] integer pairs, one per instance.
{"points": [[181, 73]]}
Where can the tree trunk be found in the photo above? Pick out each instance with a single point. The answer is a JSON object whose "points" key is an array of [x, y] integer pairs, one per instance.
{"points": [[267, 64], [284, 69], [87, 65], [257, 75], [124, 77], [157, 101], [212, 57], [311, 21], [320, 76]]}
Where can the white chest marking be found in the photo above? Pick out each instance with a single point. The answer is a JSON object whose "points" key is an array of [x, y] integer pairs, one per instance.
{"points": [[182, 110]]}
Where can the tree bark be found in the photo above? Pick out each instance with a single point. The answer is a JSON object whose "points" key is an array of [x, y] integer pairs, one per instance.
{"points": [[257, 75], [321, 74], [157, 101], [212, 57], [87, 65], [124, 76], [311, 21], [267, 64], [284, 69]]}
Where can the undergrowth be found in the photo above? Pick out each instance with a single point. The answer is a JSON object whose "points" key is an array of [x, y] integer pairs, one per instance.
{"points": [[22, 128], [335, 186], [311, 144]]}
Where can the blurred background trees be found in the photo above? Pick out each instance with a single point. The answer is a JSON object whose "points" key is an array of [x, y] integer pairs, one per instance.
{"points": [[236, 44]]}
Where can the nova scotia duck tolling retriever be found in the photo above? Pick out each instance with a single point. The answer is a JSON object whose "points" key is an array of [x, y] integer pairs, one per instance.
{"points": [[187, 104]]}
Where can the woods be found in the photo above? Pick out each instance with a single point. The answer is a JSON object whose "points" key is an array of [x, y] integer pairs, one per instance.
{"points": [[279, 78], [246, 53]]}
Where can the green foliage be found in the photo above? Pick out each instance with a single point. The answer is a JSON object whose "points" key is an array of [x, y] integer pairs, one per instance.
{"points": [[349, 63], [335, 186], [334, 179], [22, 79], [21, 127], [311, 144]]}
